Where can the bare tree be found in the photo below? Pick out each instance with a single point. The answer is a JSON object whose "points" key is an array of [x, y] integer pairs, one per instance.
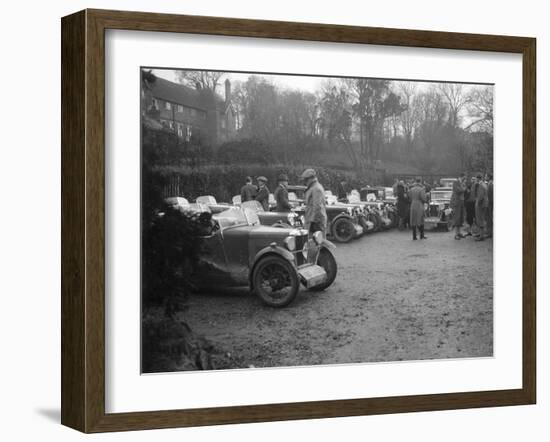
{"points": [[410, 117], [207, 80], [456, 100], [480, 108]]}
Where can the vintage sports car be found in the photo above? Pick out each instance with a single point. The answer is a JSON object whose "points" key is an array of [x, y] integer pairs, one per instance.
{"points": [[382, 208], [438, 211], [211, 202], [357, 209], [343, 223], [272, 261], [272, 218]]}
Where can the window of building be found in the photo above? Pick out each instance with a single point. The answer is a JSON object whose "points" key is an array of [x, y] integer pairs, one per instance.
{"points": [[180, 130], [167, 105], [179, 108], [223, 123], [189, 132]]}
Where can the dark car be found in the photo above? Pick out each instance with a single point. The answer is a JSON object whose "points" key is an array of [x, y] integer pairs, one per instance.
{"points": [[343, 223], [438, 211], [358, 212], [272, 261]]}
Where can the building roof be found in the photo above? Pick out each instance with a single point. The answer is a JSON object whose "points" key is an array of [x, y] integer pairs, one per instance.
{"points": [[185, 95]]}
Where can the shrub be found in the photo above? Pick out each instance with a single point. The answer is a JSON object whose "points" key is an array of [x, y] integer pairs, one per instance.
{"points": [[169, 250]]}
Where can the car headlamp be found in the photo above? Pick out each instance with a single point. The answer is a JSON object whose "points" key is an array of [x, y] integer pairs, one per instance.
{"points": [[290, 243], [350, 211], [291, 217], [318, 237]]}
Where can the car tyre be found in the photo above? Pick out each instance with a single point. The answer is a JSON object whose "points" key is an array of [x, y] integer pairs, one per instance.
{"points": [[343, 230], [328, 262], [375, 219], [269, 274]]}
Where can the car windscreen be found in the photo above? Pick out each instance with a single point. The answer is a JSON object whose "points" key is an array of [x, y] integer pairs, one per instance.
{"points": [[440, 195], [230, 217], [253, 205], [206, 199]]}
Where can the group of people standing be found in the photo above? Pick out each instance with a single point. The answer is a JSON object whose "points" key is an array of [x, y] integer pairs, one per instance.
{"points": [[260, 192], [314, 199], [472, 201]]}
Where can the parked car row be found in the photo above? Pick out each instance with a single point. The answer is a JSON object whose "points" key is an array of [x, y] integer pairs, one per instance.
{"points": [[271, 251]]}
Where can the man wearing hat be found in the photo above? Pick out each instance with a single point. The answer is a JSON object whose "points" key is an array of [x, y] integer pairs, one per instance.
{"points": [[248, 191], [316, 214], [281, 194], [482, 205], [263, 193]]}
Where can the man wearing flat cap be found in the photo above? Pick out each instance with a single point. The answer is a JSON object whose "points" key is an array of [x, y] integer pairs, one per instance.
{"points": [[263, 193], [316, 214], [281, 194]]}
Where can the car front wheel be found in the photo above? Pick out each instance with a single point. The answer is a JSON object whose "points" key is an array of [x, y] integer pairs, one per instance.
{"points": [[275, 280], [343, 230], [328, 262]]}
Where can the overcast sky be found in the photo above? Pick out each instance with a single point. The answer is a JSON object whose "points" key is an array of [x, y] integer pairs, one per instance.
{"points": [[299, 82], [304, 83]]}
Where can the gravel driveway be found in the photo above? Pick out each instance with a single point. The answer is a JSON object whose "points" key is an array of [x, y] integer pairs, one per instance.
{"points": [[393, 299]]}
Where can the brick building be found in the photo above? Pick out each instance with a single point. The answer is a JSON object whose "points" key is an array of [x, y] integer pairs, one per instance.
{"points": [[195, 115]]}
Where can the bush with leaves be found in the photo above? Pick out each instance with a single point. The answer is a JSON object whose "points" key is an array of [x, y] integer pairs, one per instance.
{"points": [[169, 251]]}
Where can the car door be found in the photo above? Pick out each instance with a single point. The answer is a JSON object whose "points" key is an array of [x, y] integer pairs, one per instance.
{"points": [[212, 269]]}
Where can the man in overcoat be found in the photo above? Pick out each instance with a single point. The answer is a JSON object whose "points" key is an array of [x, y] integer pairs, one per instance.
{"points": [[490, 195], [417, 197], [482, 205], [457, 204], [314, 200], [281, 194], [263, 193]]}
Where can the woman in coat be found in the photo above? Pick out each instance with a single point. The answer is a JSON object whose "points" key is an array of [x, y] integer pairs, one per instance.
{"points": [[417, 197]]}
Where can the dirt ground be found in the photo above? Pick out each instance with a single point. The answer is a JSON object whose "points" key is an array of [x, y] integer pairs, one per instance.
{"points": [[393, 299]]}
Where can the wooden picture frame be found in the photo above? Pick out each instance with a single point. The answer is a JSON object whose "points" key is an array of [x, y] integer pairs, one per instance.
{"points": [[83, 220]]}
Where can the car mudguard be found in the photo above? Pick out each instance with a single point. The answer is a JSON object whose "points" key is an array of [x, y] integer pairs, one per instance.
{"points": [[272, 249], [328, 244]]}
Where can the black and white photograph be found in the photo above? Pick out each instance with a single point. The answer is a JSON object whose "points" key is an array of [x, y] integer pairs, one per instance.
{"points": [[301, 220]]}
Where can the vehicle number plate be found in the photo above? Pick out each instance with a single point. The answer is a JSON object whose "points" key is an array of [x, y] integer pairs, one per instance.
{"points": [[313, 275]]}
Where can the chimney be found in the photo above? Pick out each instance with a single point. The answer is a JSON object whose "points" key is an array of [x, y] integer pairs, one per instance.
{"points": [[227, 90]]}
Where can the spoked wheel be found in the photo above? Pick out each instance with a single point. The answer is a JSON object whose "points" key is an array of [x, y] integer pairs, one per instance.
{"points": [[275, 281], [375, 219], [343, 230], [327, 261], [363, 221]]}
